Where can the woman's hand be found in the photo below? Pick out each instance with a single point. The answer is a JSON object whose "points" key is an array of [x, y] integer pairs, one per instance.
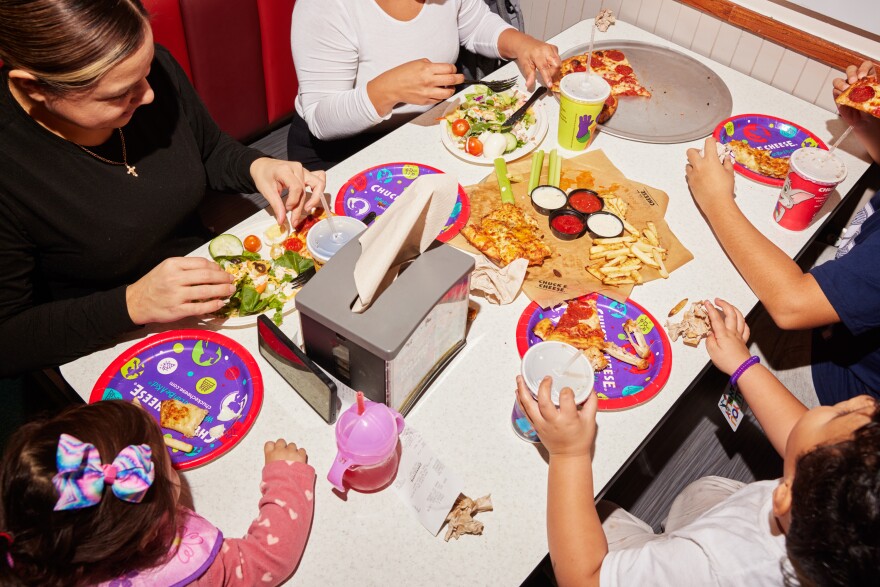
{"points": [[532, 56], [726, 342], [281, 450], [708, 178], [273, 176], [420, 82], [178, 288], [564, 431]]}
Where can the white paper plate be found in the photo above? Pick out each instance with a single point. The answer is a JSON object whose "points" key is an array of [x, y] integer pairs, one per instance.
{"points": [[256, 227], [536, 134]]}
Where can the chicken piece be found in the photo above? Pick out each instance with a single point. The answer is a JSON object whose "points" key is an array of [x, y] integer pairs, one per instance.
{"points": [[621, 355], [637, 339], [693, 327]]}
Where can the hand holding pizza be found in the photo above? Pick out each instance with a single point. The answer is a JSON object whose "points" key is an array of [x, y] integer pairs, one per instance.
{"points": [[564, 431], [710, 181], [858, 100]]}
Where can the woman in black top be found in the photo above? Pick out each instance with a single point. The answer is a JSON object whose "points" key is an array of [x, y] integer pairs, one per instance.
{"points": [[105, 153]]}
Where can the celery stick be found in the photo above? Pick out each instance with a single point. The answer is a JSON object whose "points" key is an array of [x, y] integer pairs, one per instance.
{"points": [[551, 167], [503, 181], [557, 178], [537, 168]]}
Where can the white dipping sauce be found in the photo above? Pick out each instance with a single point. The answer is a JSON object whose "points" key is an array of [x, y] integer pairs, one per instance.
{"points": [[604, 224], [548, 197]]}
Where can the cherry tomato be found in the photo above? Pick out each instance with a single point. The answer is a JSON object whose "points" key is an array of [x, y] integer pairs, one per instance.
{"points": [[293, 244], [252, 243], [460, 127], [474, 146]]}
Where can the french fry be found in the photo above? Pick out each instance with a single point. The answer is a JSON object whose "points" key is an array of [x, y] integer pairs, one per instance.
{"points": [[615, 261], [637, 277], [629, 227], [619, 281], [661, 266], [613, 240], [595, 273], [651, 236], [678, 307], [178, 444], [643, 256]]}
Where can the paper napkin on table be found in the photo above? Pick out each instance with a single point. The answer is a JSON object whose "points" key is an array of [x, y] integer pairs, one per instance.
{"points": [[402, 233], [499, 285]]}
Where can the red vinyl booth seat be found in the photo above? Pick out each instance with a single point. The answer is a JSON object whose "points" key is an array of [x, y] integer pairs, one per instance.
{"points": [[237, 54]]}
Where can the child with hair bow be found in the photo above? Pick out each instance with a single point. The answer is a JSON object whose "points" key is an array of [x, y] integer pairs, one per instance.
{"points": [[90, 497]]}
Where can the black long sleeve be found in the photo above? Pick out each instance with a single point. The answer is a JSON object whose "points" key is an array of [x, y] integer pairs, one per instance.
{"points": [[75, 231]]}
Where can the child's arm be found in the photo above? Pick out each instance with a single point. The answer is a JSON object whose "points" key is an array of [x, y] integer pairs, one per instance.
{"points": [[768, 270], [574, 532], [774, 406], [273, 546]]}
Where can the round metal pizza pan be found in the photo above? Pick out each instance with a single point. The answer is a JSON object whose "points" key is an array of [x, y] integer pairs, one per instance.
{"points": [[688, 99]]}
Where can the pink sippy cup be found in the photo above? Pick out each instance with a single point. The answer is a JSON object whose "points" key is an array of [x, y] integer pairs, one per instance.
{"points": [[367, 446]]}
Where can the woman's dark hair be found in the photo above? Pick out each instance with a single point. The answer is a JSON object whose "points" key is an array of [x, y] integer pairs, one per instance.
{"points": [[834, 537], [69, 44], [89, 545]]}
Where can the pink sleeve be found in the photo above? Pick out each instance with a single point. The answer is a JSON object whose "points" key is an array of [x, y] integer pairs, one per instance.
{"points": [[275, 541]]}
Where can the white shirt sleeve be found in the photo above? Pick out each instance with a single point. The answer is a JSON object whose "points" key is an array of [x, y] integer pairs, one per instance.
{"points": [[479, 28], [325, 55]]}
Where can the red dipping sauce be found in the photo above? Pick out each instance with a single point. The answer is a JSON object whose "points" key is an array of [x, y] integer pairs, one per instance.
{"points": [[584, 201], [567, 224]]}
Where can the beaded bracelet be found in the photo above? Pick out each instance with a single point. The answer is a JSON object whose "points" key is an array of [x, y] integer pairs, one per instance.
{"points": [[753, 360]]}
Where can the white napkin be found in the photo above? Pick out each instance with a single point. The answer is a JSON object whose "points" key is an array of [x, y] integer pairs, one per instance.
{"points": [[402, 233], [498, 285]]}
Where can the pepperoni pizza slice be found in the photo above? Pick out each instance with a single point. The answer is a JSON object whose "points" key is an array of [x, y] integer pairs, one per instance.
{"points": [[613, 66], [862, 95]]}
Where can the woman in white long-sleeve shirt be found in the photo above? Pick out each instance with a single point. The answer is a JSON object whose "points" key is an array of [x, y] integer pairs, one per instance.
{"points": [[367, 66]]}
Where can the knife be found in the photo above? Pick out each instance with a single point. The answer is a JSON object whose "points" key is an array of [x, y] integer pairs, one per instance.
{"points": [[516, 116]]}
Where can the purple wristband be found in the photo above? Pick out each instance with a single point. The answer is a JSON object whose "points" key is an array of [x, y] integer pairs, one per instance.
{"points": [[753, 360]]}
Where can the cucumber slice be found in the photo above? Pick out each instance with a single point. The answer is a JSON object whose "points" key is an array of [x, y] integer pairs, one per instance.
{"points": [[511, 142], [225, 245]]}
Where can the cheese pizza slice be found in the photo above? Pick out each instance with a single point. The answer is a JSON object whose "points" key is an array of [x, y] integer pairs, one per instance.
{"points": [[506, 234], [180, 416]]}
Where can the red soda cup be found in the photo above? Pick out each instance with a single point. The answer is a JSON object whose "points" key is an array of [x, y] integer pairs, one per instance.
{"points": [[813, 174]]}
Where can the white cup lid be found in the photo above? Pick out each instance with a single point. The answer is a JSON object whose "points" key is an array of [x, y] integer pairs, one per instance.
{"points": [[549, 358]]}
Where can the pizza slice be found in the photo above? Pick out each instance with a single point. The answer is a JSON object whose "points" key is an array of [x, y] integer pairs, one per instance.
{"points": [[579, 326], [758, 160], [862, 95], [506, 234], [612, 65], [180, 416]]}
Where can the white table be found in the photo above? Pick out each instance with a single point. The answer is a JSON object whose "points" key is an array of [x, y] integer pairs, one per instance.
{"points": [[465, 415]]}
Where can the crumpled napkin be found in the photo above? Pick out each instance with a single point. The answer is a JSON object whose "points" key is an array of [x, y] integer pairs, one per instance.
{"points": [[499, 285], [402, 233], [461, 518]]}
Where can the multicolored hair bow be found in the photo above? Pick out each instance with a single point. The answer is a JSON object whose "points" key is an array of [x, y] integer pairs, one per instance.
{"points": [[81, 475]]}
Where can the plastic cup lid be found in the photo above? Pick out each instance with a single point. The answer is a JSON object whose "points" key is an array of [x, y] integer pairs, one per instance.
{"points": [[584, 87], [323, 243], [550, 358], [367, 438]]}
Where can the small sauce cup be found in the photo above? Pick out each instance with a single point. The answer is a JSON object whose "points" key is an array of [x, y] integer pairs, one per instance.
{"points": [[567, 224], [585, 201], [323, 243], [604, 225], [547, 198]]}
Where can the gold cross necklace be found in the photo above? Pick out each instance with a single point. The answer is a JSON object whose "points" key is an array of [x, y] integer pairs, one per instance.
{"points": [[130, 168]]}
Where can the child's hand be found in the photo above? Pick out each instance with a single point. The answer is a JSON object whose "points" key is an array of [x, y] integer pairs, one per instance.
{"points": [[281, 450], [564, 431], [727, 341], [710, 180], [851, 116]]}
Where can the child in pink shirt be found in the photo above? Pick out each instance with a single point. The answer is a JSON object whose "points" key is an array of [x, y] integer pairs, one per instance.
{"points": [[90, 497]]}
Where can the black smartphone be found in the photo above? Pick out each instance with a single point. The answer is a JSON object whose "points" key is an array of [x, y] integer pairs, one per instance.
{"points": [[303, 375]]}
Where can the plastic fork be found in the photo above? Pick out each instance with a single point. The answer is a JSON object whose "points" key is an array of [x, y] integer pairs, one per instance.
{"points": [[499, 85]]}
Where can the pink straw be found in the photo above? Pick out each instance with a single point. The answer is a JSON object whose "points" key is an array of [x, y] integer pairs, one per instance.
{"points": [[360, 403]]}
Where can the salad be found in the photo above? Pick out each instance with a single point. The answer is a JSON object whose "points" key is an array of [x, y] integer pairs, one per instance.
{"points": [[477, 124], [260, 284]]}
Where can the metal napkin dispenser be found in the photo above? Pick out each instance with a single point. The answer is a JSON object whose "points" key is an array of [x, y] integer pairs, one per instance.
{"points": [[394, 349]]}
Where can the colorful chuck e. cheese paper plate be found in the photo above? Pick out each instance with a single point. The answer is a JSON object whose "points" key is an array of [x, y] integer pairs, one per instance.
{"points": [[620, 385], [197, 367], [376, 188], [768, 133]]}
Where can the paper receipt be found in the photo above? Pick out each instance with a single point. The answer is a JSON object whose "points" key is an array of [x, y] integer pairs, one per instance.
{"points": [[424, 483]]}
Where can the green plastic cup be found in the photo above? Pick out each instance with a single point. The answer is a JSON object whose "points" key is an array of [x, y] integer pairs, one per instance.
{"points": [[582, 96]]}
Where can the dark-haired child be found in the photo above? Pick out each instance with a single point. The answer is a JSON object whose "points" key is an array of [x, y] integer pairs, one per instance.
{"points": [[820, 521], [90, 497]]}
